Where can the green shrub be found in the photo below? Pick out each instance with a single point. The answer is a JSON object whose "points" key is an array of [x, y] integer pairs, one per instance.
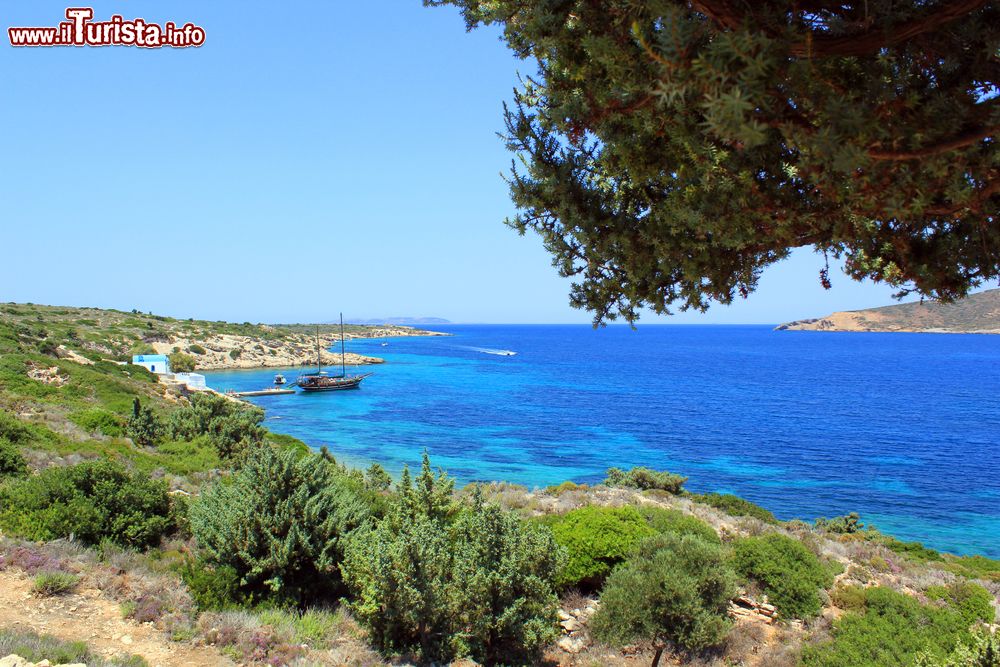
{"points": [[674, 591], [36, 648], [974, 567], [645, 479], [596, 539], [893, 629], [678, 523], [972, 601], [13, 429], [564, 487], [100, 421], [182, 363], [233, 428], [844, 525], [736, 506], [475, 583], [281, 523], [235, 353], [377, 479], [91, 501], [849, 598], [213, 588], [981, 649], [789, 573], [54, 583], [913, 550], [143, 426], [12, 464], [196, 349]]}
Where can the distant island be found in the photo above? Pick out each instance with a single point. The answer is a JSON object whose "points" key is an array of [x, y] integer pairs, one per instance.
{"points": [[400, 321], [977, 313]]}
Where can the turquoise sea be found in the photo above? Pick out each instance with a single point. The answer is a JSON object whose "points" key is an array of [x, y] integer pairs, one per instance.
{"points": [[903, 428]]}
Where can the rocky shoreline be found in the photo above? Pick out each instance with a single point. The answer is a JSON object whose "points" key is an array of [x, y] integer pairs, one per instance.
{"points": [[229, 351]]}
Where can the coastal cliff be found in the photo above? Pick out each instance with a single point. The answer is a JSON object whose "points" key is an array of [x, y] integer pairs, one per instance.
{"points": [[977, 313]]}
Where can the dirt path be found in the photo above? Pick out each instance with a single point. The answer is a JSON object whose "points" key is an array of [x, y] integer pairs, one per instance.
{"points": [[88, 617]]}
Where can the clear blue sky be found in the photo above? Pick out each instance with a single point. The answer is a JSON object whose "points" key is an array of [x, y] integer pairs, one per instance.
{"points": [[275, 175]]}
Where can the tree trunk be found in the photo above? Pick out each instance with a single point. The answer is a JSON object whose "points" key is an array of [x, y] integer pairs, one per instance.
{"points": [[657, 656]]}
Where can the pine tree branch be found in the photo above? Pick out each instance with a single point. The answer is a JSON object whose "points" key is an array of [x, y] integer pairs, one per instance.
{"points": [[731, 15]]}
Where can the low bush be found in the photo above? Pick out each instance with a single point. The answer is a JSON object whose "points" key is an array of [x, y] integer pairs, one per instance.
{"points": [[143, 426], [848, 598], [677, 523], [90, 501], [736, 506], [981, 649], [892, 629], [596, 539], [645, 479], [97, 420], [972, 601], [35, 648], [281, 523], [789, 573], [844, 525], [477, 582], [233, 428], [213, 588], [196, 349], [13, 429], [974, 567], [182, 363], [12, 464], [54, 583], [674, 591]]}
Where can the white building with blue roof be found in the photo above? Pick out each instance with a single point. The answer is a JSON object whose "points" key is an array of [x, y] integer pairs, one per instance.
{"points": [[154, 363]]}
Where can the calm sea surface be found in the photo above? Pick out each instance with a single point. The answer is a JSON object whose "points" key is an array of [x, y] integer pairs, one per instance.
{"points": [[903, 428]]}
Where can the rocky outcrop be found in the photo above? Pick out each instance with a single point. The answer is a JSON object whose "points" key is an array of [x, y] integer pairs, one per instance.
{"points": [[976, 313], [574, 626], [223, 351], [745, 607]]}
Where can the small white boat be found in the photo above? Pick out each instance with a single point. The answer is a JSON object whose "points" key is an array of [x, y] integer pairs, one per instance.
{"points": [[279, 380]]}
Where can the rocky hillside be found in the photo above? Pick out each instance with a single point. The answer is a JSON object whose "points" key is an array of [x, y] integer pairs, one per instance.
{"points": [[92, 334], [977, 313]]}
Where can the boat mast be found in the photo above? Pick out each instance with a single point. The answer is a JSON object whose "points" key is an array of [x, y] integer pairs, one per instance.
{"points": [[343, 364], [319, 355]]}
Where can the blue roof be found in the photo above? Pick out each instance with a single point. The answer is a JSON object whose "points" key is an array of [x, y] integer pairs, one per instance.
{"points": [[149, 358]]}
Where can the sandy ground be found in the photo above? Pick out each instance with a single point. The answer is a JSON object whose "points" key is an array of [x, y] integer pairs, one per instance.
{"points": [[88, 617]]}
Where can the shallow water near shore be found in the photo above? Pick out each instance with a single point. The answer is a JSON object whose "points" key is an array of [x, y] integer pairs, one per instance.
{"points": [[903, 428]]}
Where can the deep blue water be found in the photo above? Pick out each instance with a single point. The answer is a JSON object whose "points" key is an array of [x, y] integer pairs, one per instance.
{"points": [[903, 428]]}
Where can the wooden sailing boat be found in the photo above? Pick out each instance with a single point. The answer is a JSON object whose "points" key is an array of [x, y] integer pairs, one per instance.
{"points": [[322, 381]]}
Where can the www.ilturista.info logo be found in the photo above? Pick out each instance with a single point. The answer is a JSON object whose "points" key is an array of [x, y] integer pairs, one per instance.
{"points": [[81, 30]]}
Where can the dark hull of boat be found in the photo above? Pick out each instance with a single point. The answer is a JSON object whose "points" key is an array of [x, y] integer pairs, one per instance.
{"points": [[332, 384]]}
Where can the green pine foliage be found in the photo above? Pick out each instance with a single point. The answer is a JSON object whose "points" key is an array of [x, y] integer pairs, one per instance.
{"points": [[504, 572], [143, 426], [281, 523], [892, 629], [674, 591], [789, 573], [12, 464], [596, 539], [669, 151], [91, 502], [645, 479], [377, 479], [233, 428], [451, 581]]}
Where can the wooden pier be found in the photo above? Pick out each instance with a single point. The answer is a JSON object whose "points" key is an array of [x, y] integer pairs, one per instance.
{"points": [[260, 392]]}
